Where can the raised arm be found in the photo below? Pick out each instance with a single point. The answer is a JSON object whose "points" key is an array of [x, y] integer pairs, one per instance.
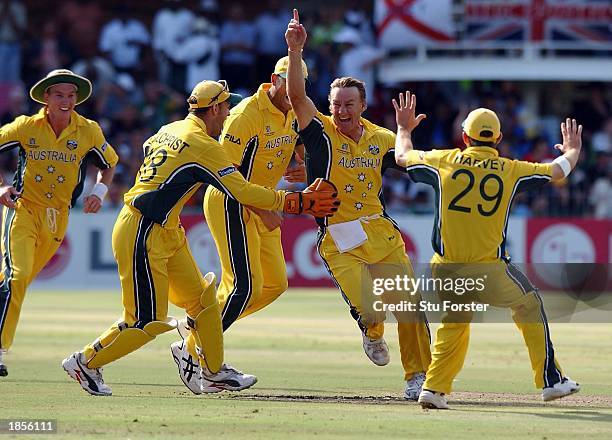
{"points": [[572, 143], [303, 107], [406, 122]]}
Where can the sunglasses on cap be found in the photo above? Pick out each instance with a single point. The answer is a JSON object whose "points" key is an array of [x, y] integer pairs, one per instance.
{"points": [[224, 89]]}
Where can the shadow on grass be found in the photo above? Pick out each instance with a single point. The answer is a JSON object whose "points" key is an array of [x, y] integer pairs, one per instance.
{"points": [[581, 414]]}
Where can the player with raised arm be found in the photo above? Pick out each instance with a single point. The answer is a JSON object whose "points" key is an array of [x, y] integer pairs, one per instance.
{"points": [[153, 256], [354, 153], [55, 146], [474, 190]]}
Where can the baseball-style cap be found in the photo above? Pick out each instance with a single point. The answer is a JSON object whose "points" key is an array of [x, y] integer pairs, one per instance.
{"points": [[207, 93], [283, 64], [61, 76], [483, 125]]}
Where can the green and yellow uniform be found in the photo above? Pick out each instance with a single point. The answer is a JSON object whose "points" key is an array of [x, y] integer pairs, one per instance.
{"points": [[474, 190], [356, 168], [258, 138], [152, 252], [50, 175]]}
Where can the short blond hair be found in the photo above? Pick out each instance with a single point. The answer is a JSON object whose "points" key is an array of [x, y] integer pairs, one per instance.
{"points": [[347, 81]]}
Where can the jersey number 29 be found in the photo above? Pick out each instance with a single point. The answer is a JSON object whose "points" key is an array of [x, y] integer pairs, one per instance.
{"points": [[495, 197]]}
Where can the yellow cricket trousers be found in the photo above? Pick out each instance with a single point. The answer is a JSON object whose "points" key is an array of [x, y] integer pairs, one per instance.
{"points": [[155, 266], [505, 286], [351, 271], [30, 236], [252, 259]]}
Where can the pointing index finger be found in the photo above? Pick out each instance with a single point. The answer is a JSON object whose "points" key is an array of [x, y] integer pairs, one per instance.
{"points": [[296, 15]]}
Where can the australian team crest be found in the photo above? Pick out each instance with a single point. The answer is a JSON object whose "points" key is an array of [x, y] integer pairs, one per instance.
{"points": [[72, 145], [374, 149], [268, 130]]}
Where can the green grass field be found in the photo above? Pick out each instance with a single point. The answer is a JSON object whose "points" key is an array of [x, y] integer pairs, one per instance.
{"points": [[314, 379]]}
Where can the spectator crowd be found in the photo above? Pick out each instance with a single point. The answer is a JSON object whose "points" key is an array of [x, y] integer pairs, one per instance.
{"points": [[144, 61]]}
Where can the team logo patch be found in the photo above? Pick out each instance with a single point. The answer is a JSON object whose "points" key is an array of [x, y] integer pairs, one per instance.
{"points": [[72, 145], [225, 171], [103, 147], [344, 149], [374, 149], [268, 130], [32, 141]]}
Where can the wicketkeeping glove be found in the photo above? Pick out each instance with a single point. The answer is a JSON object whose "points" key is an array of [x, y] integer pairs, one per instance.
{"points": [[320, 199]]}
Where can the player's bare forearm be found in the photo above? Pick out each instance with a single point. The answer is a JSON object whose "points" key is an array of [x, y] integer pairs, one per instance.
{"points": [[93, 202], [304, 108], [403, 146], [571, 133], [106, 176]]}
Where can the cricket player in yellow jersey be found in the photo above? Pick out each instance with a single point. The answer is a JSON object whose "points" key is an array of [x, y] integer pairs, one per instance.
{"points": [[153, 256], [474, 190], [55, 145], [259, 140], [353, 153]]}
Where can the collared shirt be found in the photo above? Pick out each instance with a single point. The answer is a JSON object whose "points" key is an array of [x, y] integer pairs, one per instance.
{"points": [[179, 158], [474, 192], [259, 138], [356, 168], [51, 169]]}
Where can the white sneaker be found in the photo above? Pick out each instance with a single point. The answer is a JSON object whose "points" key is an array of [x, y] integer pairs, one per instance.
{"points": [[414, 386], [3, 370], [561, 389], [432, 400], [228, 378], [376, 349], [90, 379], [189, 369]]}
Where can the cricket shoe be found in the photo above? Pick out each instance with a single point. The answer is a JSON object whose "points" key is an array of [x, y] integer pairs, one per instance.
{"points": [[189, 369], [561, 389], [90, 379], [414, 386], [228, 378], [376, 349], [432, 400]]}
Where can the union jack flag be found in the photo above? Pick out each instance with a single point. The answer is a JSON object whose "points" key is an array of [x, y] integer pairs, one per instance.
{"points": [[538, 20]]}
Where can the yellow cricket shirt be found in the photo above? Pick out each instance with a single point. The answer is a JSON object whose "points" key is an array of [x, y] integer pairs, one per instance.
{"points": [[474, 191], [51, 169], [356, 168], [178, 159], [259, 139]]}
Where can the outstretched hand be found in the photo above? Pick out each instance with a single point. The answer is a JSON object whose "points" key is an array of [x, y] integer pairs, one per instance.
{"points": [[295, 35], [572, 136], [405, 112]]}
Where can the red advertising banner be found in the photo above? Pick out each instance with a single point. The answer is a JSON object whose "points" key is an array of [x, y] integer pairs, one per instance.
{"points": [[569, 248], [568, 241]]}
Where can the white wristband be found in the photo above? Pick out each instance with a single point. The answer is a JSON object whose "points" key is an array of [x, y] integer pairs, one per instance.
{"points": [[99, 190], [564, 164]]}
